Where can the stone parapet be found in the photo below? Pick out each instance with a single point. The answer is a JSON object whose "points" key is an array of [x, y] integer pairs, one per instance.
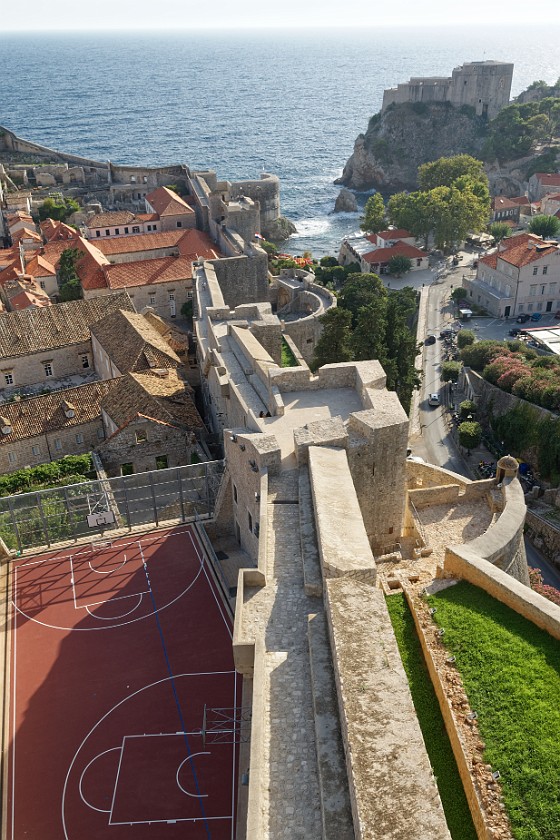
{"points": [[392, 789]]}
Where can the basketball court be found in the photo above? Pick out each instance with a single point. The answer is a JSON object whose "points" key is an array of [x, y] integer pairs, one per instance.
{"points": [[124, 703]]}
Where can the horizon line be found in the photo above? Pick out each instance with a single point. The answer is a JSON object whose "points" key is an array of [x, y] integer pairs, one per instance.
{"points": [[424, 24]]}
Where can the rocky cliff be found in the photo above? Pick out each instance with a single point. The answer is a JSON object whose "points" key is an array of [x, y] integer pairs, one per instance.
{"points": [[387, 156]]}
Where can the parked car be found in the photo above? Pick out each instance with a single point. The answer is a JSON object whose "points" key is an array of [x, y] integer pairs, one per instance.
{"points": [[434, 399], [447, 333], [536, 316], [523, 318], [514, 332], [430, 339]]}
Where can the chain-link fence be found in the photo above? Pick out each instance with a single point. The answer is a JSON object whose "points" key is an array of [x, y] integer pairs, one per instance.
{"points": [[94, 508]]}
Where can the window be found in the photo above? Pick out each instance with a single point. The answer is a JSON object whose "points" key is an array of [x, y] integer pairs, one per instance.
{"points": [[35, 450], [189, 295], [42, 284], [539, 306], [135, 229], [9, 378], [171, 295], [98, 233], [107, 233], [533, 291], [535, 270], [48, 369], [85, 361], [418, 262], [58, 445], [545, 269], [152, 298], [127, 469], [179, 224], [155, 227], [250, 521], [161, 462], [117, 231], [149, 227], [529, 307], [235, 494], [141, 436], [79, 438], [126, 230], [12, 457], [133, 179], [542, 289]]}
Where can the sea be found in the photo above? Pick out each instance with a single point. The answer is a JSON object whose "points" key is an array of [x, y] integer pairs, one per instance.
{"points": [[287, 101]]}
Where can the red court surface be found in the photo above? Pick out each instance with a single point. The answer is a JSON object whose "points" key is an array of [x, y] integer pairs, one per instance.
{"points": [[116, 650]]}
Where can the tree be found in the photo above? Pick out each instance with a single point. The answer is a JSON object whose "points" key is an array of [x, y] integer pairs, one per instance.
{"points": [[58, 210], [446, 170], [69, 284], [368, 339], [450, 371], [187, 309], [545, 226], [373, 219], [464, 338], [399, 265], [467, 407], [361, 290], [334, 343], [470, 434], [499, 230]]}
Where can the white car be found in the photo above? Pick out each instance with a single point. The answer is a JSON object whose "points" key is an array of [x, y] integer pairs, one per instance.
{"points": [[434, 399]]}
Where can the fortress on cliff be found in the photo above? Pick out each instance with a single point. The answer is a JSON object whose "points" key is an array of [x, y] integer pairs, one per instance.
{"points": [[482, 85]]}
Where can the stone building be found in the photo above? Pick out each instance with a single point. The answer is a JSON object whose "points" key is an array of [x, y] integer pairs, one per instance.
{"points": [[46, 346], [482, 85], [172, 211]]}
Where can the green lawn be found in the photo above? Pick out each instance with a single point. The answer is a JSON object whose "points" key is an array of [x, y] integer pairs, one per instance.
{"points": [[288, 358], [511, 673], [439, 749]]}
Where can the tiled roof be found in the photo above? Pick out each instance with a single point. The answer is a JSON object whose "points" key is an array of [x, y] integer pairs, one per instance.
{"points": [[26, 233], [548, 180], [45, 414], [553, 197], [89, 266], [29, 297], [491, 260], [32, 331], [38, 266], [148, 272], [110, 219], [147, 217], [525, 252], [55, 230], [11, 272], [167, 203], [132, 343], [165, 398], [520, 200], [196, 244], [500, 202], [401, 233], [140, 242], [382, 255]]}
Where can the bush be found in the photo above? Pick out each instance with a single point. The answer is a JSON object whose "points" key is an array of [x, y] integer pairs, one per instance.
{"points": [[464, 338], [470, 434], [450, 371], [467, 407]]}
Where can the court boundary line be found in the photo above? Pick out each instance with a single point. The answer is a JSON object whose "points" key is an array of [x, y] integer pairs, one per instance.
{"points": [[105, 600], [211, 585], [96, 629], [106, 715]]}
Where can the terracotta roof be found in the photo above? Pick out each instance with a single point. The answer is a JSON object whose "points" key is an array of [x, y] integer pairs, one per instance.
{"points": [[33, 331], [383, 255], [132, 343], [165, 398], [140, 242], [38, 266], [110, 219], [553, 197], [148, 272], [491, 260], [524, 253], [89, 266], [500, 202], [26, 233], [196, 244], [547, 179], [40, 415], [15, 215], [36, 298], [401, 233], [147, 217], [10, 272], [520, 200], [167, 203], [54, 230]]}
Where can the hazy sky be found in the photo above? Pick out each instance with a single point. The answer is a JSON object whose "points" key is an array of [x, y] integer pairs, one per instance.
{"points": [[185, 14]]}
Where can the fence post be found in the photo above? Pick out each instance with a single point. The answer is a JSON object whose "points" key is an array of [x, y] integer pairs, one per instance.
{"points": [[14, 523], [43, 520], [154, 499], [181, 498]]}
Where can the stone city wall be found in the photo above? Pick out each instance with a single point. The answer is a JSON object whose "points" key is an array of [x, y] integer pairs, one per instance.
{"points": [[463, 563], [546, 534]]}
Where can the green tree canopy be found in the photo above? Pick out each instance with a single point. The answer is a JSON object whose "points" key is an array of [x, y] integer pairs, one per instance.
{"points": [[545, 226], [399, 265], [334, 343], [57, 209], [450, 371], [470, 434], [464, 338], [69, 284], [373, 219], [361, 290], [445, 171], [499, 230]]}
